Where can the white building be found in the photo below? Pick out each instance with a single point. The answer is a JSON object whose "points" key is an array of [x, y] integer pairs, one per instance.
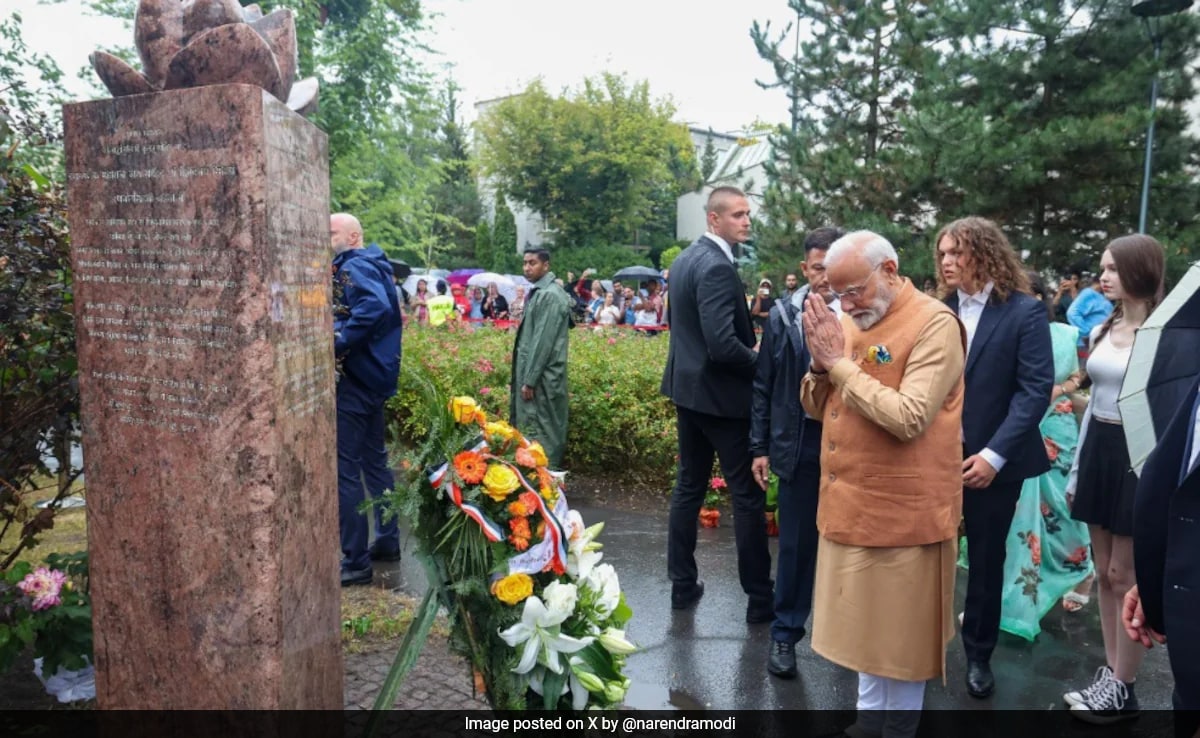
{"points": [[739, 163]]}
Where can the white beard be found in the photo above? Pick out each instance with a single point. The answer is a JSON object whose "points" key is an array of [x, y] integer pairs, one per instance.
{"points": [[867, 317]]}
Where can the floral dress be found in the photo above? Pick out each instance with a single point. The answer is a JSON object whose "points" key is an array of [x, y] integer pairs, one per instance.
{"points": [[1048, 553]]}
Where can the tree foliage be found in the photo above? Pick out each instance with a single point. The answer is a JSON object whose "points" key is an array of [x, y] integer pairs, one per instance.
{"points": [[593, 163], [912, 113], [456, 195], [39, 394], [29, 112]]}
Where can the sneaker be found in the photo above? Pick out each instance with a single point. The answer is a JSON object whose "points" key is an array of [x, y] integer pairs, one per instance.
{"points": [[782, 660], [1111, 702], [1081, 696]]}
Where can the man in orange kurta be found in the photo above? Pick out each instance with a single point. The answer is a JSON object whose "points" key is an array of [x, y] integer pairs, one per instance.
{"points": [[887, 381]]}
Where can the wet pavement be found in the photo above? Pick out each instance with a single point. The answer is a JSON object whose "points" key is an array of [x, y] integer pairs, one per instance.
{"points": [[709, 658]]}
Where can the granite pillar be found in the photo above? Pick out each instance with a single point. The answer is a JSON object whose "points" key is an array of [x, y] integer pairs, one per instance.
{"points": [[200, 245]]}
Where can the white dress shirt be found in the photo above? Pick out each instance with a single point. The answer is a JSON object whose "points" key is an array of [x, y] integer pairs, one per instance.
{"points": [[723, 244], [970, 310], [1195, 440]]}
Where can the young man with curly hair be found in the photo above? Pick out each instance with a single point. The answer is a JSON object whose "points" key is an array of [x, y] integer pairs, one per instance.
{"points": [[1009, 375]]}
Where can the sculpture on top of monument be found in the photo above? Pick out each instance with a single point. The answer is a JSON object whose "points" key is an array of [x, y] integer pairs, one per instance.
{"points": [[210, 42]]}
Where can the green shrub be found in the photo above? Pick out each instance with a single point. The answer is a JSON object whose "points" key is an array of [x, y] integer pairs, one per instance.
{"points": [[619, 422]]}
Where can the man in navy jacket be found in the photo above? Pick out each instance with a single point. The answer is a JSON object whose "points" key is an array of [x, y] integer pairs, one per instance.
{"points": [[785, 441], [1009, 375], [1166, 554], [367, 327]]}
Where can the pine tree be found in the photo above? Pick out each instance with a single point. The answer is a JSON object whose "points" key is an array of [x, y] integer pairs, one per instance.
{"points": [[850, 81], [1036, 117], [456, 195]]}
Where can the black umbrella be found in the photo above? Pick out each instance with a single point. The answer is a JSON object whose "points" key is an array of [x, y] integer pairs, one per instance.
{"points": [[1162, 367], [400, 270], [637, 273]]}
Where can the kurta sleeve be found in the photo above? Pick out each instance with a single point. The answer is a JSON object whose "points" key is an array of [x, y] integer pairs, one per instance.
{"points": [[934, 367], [814, 391]]}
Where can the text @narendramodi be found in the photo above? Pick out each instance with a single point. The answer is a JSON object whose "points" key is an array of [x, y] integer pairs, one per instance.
{"points": [[599, 723]]}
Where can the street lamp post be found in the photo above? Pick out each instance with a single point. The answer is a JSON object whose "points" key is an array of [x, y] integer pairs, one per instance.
{"points": [[1151, 13]]}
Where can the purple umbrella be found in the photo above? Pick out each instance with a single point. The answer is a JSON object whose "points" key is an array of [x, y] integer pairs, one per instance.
{"points": [[460, 276]]}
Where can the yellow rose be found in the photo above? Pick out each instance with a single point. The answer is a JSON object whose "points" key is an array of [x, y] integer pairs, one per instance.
{"points": [[499, 482], [463, 409], [539, 454], [513, 588], [499, 429], [480, 417]]}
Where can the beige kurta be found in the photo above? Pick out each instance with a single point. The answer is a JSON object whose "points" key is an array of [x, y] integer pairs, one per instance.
{"points": [[885, 611], [889, 611]]}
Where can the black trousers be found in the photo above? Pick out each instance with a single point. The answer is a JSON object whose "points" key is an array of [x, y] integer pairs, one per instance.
{"points": [[700, 436], [988, 513]]}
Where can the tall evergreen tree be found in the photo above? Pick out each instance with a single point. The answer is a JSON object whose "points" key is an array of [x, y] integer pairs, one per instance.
{"points": [[1036, 116], [850, 80], [456, 197]]}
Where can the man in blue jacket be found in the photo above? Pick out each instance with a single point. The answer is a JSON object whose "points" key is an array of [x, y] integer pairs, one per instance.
{"points": [[367, 327], [783, 439]]}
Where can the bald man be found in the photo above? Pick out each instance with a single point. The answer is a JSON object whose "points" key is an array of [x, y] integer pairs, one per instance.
{"points": [[367, 329]]}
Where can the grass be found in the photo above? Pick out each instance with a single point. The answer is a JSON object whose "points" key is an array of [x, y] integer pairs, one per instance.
{"points": [[68, 535]]}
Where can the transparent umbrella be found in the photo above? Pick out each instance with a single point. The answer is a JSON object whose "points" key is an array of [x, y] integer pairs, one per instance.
{"points": [[1162, 367]]}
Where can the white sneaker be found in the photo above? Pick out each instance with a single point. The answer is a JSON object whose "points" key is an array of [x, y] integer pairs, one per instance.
{"points": [[1079, 697]]}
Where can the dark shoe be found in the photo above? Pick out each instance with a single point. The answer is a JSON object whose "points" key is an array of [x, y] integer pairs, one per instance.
{"points": [[782, 660], [354, 578], [980, 682], [758, 612], [1078, 697], [1109, 702], [383, 554], [685, 598]]}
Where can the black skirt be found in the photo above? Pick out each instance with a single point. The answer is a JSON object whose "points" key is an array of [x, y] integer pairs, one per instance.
{"points": [[1106, 484]]}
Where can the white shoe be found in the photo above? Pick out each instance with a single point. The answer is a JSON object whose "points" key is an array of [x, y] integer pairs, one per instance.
{"points": [[1079, 697]]}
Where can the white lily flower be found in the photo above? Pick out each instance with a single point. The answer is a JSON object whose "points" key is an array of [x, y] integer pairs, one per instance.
{"points": [[539, 631], [580, 563], [602, 580], [615, 642]]}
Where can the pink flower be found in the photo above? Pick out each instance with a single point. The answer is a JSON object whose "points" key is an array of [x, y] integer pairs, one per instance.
{"points": [[485, 390], [612, 341], [485, 366], [717, 483], [44, 586]]}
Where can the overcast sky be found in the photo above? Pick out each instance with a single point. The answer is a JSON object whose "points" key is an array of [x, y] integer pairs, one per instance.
{"points": [[698, 52]]}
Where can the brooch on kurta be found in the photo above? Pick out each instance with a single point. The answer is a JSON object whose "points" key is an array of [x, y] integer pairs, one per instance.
{"points": [[878, 354]]}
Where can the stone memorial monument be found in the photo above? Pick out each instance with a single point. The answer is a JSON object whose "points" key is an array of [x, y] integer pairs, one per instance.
{"points": [[199, 213]]}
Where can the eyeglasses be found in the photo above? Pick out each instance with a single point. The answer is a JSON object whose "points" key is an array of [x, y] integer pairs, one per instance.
{"points": [[853, 293]]}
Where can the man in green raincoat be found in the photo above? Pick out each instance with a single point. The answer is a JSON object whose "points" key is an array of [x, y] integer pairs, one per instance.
{"points": [[538, 407]]}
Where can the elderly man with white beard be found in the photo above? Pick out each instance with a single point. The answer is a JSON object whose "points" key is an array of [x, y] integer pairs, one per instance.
{"points": [[886, 379]]}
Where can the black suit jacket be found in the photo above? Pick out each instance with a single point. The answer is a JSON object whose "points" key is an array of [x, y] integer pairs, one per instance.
{"points": [[711, 359], [1166, 537], [1009, 375]]}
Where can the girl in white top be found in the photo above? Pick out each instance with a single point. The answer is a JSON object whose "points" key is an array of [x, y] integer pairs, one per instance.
{"points": [[608, 315], [1102, 482]]}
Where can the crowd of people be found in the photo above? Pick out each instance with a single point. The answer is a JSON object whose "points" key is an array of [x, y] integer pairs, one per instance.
{"points": [[894, 420]]}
